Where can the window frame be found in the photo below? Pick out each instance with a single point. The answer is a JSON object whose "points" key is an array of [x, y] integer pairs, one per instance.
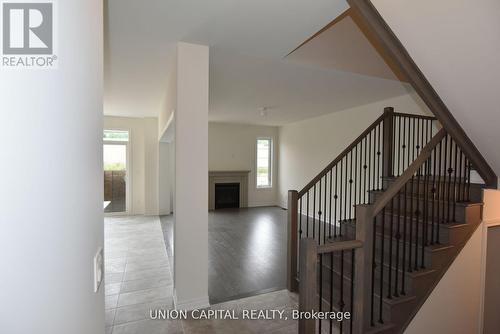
{"points": [[271, 162]]}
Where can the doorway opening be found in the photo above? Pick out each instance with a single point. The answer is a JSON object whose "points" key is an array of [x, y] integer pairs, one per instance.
{"points": [[115, 158]]}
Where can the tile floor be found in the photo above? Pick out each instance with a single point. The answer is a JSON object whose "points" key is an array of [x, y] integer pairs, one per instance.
{"points": [[138, 278]]}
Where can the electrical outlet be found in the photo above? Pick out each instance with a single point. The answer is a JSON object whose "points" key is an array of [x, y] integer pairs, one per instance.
{"points": [[98, 269]]}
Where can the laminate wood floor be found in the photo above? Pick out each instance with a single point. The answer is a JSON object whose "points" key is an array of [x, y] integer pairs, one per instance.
{"points": [[247, 251]]}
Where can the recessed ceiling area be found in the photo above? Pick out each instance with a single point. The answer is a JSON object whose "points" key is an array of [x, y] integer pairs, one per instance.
{"points": [[249, 67]]}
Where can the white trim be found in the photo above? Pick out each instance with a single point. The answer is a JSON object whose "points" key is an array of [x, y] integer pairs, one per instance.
{"points": [[193, 304]]}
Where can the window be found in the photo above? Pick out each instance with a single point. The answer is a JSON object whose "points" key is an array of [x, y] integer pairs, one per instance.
{"points": [[115, 135], [264, 162]]}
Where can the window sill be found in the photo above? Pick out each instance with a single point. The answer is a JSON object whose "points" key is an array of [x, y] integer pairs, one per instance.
{"points": [[264, 187]]}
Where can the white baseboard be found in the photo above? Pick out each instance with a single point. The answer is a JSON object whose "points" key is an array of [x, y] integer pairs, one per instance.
{"points": [[189, 305]]}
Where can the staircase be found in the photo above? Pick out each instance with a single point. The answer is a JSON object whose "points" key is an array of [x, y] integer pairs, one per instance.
{"points": [[376, 230]]}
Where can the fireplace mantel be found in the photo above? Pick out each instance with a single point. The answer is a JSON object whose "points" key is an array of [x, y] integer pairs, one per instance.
{"points": [[228, 176]]}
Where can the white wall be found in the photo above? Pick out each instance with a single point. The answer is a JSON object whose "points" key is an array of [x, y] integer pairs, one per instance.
{"points": [[454, 304], [51, 183], [191, 178], [233, 147], [143, 151], [457, 48], [169, 104], [165, 179], [151, 164], [308, 146]]}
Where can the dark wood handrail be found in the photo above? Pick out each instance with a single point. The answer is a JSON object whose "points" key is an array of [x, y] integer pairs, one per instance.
{"points": [[342, 155], [396, 187], [397, 52]]}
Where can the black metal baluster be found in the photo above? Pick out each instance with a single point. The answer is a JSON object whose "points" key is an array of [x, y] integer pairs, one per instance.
{"points": [[423, 136], [372, 309], [341, 300], [374, 160], [433, 191], [450, 172], [393, 147], [381, 288], [425, 212], [307, 215], [355, 178], [379, 155], [300, 217], [409, 144], [350, 188], [319, 211], [369, 161], [398, 239], [352, 289], [340, 197], [324, 211], [331, 291], [335, 197], [314, 212], [455, 183], [468, 179], [438, 192], [445, 161], [404, 144], [361, 197], [320, 302], [345, 188], [466, 173], [365, 167], [410, 267], [417, 217], [405, 221], [399, 146], [460, 177], [414, 141], [389, 291], [418, 140], [330, 211]]}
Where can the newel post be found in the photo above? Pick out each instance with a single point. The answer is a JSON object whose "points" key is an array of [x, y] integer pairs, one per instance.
{"points": [[388, 142], [363, 269], [292, 231], [308, 283]]}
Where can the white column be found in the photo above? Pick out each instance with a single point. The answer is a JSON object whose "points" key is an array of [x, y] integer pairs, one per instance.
{"points": [[191, 178], [51, 183]]}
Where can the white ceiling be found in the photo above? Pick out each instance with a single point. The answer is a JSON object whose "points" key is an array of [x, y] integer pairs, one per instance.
{"points": [[240, 85], [248, 41]]}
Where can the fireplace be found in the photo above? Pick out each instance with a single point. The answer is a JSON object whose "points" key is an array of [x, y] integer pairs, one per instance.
{"points": [[239, 177], [227, 195]]}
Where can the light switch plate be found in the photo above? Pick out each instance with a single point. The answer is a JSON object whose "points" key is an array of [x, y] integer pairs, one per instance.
{"points": [[98, 269]]}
